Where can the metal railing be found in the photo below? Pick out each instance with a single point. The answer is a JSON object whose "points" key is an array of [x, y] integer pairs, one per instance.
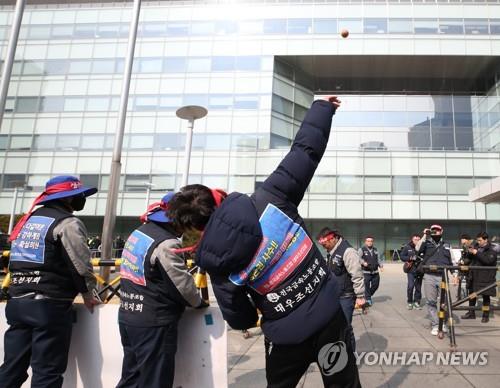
{"points": [[446, 306], [110, 289]]}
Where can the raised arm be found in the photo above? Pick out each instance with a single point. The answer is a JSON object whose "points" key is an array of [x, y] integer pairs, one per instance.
{"points": [[292, 176]]}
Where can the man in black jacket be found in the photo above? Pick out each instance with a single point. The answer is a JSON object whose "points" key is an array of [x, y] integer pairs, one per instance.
{"points": [[259, 255], [414, 288], [481, 255], [155, 289], [49, 265], [371, 261], [434, 251]]}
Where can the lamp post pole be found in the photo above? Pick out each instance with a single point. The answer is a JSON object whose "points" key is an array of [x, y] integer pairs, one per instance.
{"points": [[13, 210], [149, 186], [114, 180], [11, 53], [190, 113]]}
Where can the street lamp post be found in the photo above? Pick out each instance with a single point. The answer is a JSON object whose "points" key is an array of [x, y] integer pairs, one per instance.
{"points": [[11, 52], [114, 179], [190, 113], [13, 210], [18, 185], [149, 186]]}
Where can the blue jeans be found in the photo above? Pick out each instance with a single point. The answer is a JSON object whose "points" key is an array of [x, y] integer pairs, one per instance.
{"points": [[414, 290]]}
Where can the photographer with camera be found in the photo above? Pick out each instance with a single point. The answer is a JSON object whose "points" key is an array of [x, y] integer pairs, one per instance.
{"points": [[414, 289], [434, 251], [481, 254]]}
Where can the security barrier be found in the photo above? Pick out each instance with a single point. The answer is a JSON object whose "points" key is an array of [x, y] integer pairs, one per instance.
{"points": [[108, 289], [446, 306], [95, 356]]}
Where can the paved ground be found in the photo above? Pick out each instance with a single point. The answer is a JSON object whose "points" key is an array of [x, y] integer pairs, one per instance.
{"points": [[388, 326]]}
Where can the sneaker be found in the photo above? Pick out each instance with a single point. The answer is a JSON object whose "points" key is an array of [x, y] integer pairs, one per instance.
{"points": [[369, 301], [410, 306], [434, 330], [417, 306]]}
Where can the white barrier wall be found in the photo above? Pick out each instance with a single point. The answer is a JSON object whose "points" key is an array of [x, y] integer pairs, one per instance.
{"points": [[95, 357]]}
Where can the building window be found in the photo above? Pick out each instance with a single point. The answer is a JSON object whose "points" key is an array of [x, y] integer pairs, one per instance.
{"points": [[275, 26], [325, 26], [90, 180], [374, 26], [11, 181], [432, 185], [27, 104], [175, 65], [349, 184], [20, 142], [451, 26], [299, 26], [68, 142], [400, 26], [136, 182], [476, 26], [459, 186], [92, 142], [80, 67], [51, 104], [405, 185], [223, 63], [44, 142], [377, 185], [426, 26], [4, 139]]}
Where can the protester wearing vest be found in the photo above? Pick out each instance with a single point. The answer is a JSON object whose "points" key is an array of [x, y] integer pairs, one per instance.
{"points": [[434, 251], [49, 266], [155, 289], [371, 262], [481, 255], [259, 255], [414, 287], [343, 260]]}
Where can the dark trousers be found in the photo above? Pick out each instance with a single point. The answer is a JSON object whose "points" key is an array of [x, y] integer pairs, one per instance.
{"points": [[347, 304], [372, 281], [148, 356], [486, 301], [40, 335], [330, 348], [414, 290]]}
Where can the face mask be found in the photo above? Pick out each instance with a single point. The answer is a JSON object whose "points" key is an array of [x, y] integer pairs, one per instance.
{"points": [[78, 203], [436, 238]]}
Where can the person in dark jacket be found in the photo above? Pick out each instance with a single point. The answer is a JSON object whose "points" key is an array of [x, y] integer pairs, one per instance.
{"points": [[466, 241], [118, 245], [481, 255], [155, 289], [414, 288], [434, 251], [260, 256], [343, 260], [49, 265], [371, 261]]}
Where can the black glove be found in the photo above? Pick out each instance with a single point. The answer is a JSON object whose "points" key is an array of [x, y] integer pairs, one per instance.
{"points": [[202, 305]]}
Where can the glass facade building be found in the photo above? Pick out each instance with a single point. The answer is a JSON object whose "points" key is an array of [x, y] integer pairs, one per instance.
{"points": [[418, 128]]}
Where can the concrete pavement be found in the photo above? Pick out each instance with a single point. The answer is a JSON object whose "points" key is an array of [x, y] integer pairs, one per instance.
{"points": [[388, 326]]}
